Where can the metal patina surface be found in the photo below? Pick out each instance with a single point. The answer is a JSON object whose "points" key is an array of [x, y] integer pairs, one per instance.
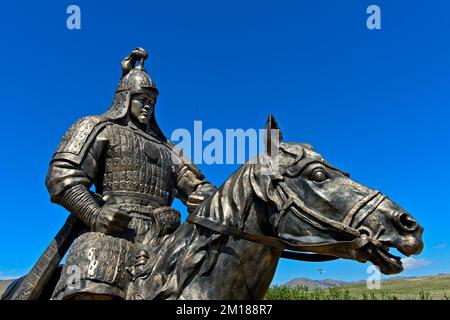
{"points": [[126, 241]]}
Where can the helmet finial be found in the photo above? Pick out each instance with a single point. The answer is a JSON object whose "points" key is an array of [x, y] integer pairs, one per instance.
{"points": [[135, 78]]}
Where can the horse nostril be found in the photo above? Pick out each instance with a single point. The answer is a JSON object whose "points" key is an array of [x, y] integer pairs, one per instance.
{"points": [[406, 222]]}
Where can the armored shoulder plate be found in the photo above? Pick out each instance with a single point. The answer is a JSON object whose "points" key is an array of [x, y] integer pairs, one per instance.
{"points": [[77, 139]]}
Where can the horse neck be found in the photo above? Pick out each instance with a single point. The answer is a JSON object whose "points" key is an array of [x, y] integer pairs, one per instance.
{"points": [[258, 261], [236, 203]]}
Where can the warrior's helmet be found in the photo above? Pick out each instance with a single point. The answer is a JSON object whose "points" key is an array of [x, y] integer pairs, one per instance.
{"points": [[135, 79]]}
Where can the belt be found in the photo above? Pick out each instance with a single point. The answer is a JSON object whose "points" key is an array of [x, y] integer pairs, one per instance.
{"points": [[141, 199]]}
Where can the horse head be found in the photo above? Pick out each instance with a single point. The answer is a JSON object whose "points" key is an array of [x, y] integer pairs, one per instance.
{"points": [[318, 208]]}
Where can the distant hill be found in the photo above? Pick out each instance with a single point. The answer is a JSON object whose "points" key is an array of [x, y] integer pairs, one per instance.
{"points": [[414, 288], [424, 288], [315, 284]]}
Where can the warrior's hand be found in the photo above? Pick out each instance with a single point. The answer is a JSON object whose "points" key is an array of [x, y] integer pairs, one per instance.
{"points": [[111, 221], [193, 202], [196, 198]]}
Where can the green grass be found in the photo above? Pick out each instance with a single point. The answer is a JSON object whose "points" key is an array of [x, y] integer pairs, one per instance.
{"points": [[421, 288], [302, 293]]}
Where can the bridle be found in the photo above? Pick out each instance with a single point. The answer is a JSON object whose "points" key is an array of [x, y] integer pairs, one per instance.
{"points": [[291, 203], [348, 227]]}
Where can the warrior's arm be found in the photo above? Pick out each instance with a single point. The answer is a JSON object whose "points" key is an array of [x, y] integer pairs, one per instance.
{"points": [[68, 182], [191, 185]]}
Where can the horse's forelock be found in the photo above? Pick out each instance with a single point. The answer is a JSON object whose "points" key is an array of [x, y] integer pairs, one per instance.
{"points": [[288, 155], [263, 187]]}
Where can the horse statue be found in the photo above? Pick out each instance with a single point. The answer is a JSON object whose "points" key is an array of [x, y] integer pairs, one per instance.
{"points": [[304, 209]]}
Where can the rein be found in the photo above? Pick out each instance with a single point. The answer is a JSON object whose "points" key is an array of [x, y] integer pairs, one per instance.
{"points": [[277, 242], [291, 203]]}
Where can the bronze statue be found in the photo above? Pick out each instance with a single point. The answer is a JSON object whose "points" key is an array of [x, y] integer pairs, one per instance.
{"points": [[129, 241]]}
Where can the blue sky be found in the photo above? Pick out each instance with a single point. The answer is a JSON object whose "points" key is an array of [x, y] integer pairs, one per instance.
{"points": [[374, 103]]}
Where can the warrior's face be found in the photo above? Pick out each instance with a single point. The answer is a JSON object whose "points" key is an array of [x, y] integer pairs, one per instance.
{"points": [[142, 106]]}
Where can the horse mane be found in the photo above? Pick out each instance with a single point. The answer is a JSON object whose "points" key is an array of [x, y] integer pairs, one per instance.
{"points": [[193, 250], [229, 204]]}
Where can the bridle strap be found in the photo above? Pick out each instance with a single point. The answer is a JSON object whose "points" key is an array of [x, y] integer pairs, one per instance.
{"points": [[369, 208], [295, 204], [276, 242], [357, 207], [310, 257]]}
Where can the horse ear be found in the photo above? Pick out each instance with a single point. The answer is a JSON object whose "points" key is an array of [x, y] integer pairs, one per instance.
{"points": [[271, 126]]}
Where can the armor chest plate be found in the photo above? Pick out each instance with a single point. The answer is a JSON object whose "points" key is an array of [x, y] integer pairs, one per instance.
{"points": [[136, 164]]}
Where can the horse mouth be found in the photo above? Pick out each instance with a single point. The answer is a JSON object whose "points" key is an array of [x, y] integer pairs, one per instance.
{"points": [[387, 262], [383, 259], [394, 262]]}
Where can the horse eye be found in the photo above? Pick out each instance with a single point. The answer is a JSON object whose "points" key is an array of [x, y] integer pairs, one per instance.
{"points": [[319, 175]]}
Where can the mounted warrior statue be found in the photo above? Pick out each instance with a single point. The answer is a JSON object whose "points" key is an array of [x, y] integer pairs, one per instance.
{"points": [[127, 243], [136, 172]]}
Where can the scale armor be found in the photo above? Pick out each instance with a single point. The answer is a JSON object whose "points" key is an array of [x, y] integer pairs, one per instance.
{"points": [[135, 164]]}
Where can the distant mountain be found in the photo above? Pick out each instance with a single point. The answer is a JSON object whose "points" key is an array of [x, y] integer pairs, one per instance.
{"points": [[315, 284], [435, 287], [328, 283]]}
